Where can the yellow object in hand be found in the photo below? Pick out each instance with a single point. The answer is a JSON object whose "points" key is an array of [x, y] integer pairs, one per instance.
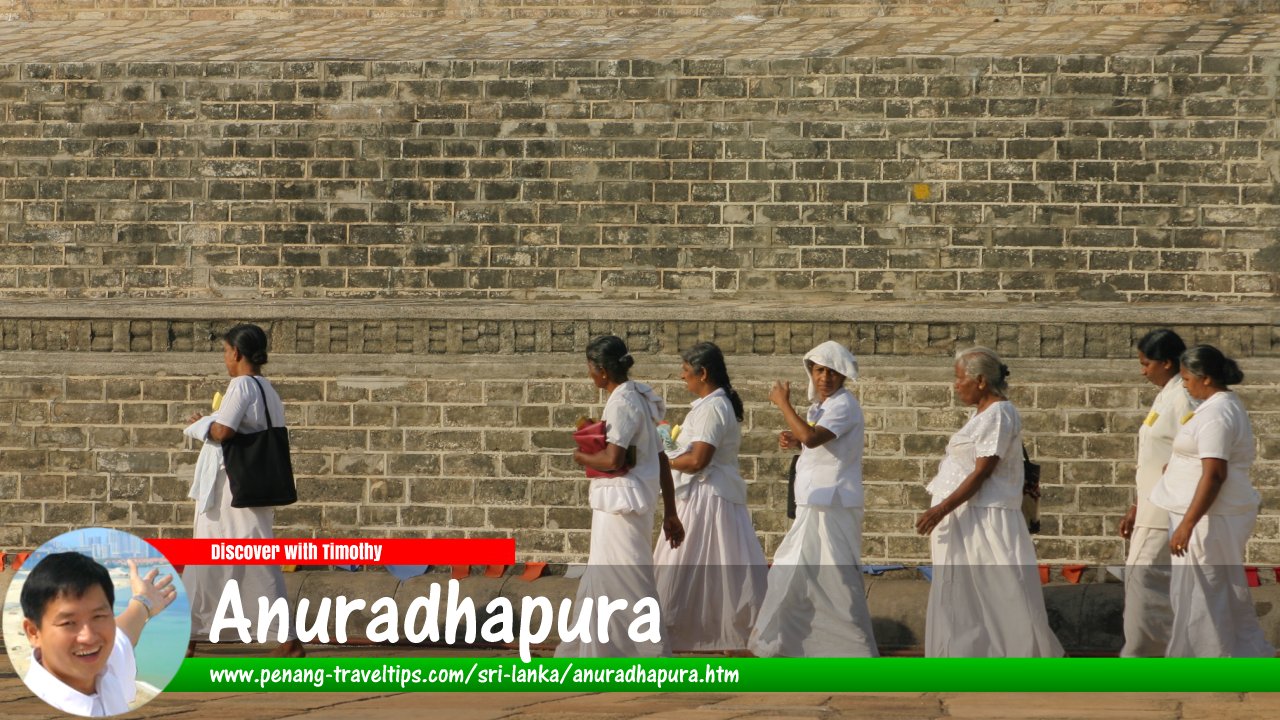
{"points": [[675, 431], [217, 401]]}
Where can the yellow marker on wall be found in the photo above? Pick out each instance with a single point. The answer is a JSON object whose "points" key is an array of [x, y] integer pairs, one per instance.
{"points": [[920, 191], [217, 401]]}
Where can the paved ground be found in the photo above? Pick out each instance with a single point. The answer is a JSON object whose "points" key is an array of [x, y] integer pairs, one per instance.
{"points": [[742, 37], [17, 704]]}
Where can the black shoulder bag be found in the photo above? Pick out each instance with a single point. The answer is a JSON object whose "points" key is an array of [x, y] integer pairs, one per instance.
{"points": [[258, 465], [1031, 492]]}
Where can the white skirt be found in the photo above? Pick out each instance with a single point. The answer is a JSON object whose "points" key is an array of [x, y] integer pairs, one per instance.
{"points": [[1213, 612], [985, 598], [204, 583], [712, 586], [816, 603], [619, 567], [1148, 616]]}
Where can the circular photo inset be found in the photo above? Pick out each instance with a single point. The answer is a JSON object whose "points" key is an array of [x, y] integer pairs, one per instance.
{"points": [[96, 622]]}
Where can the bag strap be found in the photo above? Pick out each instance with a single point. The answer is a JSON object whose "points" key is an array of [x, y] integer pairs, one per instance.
{"points": [[267, 410]]}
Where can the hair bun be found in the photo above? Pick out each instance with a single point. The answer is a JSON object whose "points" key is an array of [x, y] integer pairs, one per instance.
{"points": [[1004, 370]]}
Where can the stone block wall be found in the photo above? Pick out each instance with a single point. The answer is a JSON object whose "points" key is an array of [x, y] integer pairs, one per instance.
{"points": [[475, 441], [432, 243], [896, 178]]}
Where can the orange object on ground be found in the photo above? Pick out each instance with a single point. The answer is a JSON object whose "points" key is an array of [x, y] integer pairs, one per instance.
{"points": [[461, 571], [1252, 574], [1073, 573], [1044, 574], [533, 571], [21, 558], [494, 571]]}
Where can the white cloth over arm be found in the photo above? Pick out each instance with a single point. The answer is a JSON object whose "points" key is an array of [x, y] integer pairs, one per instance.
{"points": [[204, 483]]}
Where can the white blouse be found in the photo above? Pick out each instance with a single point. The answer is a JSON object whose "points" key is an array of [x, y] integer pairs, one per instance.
{"points": [[242, 408], [1219, 428], [996, 431], [1155, 446], [831, 474], [630, 418], [711, 420]]}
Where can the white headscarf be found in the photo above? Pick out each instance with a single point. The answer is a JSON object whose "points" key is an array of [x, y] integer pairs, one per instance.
{"points": [[830, 354]]}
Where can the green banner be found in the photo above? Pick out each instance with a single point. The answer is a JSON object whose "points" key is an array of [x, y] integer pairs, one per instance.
{"points": [[726, 675]]}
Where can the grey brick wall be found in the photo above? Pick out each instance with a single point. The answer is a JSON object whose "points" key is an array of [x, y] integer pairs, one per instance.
{"points": [[432, 243], [899, 178], [387, 447]]}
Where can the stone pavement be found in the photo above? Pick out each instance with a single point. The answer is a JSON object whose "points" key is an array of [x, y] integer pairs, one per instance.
{"points": [[744, 36], [17, 704]]}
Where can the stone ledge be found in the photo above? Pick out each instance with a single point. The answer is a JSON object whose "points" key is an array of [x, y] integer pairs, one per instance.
{"points": [[603, 309], [743, 36], [378, 371], [439, 328]]}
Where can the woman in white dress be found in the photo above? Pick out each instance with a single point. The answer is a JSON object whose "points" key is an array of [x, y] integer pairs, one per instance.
{"points": [[620, 562], [712, 585], [985, 598], [1212, 509], [244, 408], [1147, 612], [816, 603]]}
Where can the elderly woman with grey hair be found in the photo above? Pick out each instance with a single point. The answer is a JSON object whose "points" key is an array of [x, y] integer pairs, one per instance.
{"points": [[985, 599]]}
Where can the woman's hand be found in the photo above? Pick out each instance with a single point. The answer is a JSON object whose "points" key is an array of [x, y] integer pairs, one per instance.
{"points": [[1127, 522], [1179, 539], [787, 441], [195, 418], [673, 530], [930, 518], [780, 394]]}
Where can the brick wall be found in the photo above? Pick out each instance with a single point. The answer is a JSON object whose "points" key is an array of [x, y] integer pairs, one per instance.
{"points": [[432, 243], [477, 442], [412, 448], [1032, 178]]}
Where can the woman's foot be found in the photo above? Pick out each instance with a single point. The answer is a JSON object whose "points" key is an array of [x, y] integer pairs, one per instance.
{"points": [[191, 649], [290, 649]]}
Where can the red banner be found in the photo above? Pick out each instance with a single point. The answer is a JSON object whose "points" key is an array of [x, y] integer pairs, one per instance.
{"points": [[338, 551]]}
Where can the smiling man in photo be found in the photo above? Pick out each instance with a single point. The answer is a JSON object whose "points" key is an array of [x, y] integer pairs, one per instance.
{"points": [[83, 659]]}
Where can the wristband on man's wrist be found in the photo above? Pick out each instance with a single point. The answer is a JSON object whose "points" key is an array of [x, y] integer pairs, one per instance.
{"points": [[142, 600]]}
